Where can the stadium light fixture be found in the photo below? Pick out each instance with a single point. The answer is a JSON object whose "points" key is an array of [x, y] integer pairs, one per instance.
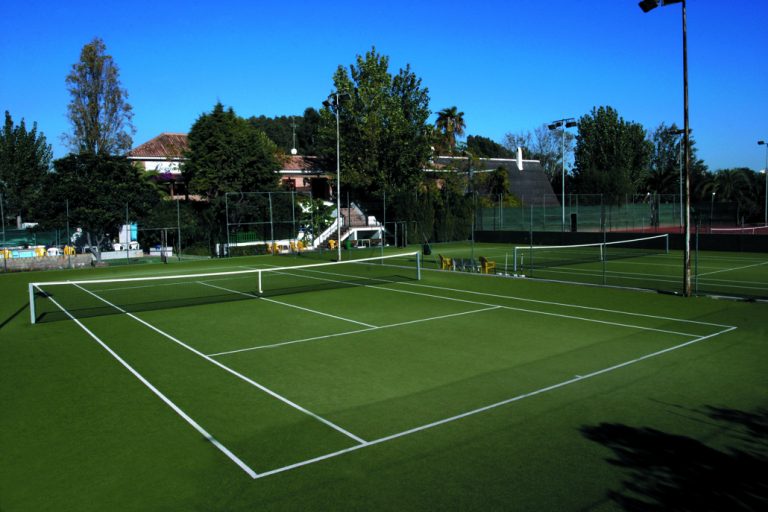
{"points": [[332, 103], [765, 178], [568, 122], [646, 6]]}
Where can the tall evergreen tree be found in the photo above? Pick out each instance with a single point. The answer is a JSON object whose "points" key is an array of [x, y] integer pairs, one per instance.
{"points": [[284, 131], [612, 155], [384, 136], [229, 154], [25, 160], [483, 147], [99, 112]]}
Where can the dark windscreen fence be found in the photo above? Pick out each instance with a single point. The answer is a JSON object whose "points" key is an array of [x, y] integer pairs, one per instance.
{"points": [[581, 213], [63, 300]]}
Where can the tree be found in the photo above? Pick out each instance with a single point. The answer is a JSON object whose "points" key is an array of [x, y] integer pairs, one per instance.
{"points": [[281, 131], [92, 192], [450, 124], [229, 154], [611, 155], [384, 136], [498, 182], [25, 160], [544, 145], [665, 160], [735, 186], [99, 113], [484, 147]]}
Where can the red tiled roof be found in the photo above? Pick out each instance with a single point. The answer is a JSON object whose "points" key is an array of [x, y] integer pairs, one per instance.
{"points": [[165, 145], [301, 163], [174, 145]]}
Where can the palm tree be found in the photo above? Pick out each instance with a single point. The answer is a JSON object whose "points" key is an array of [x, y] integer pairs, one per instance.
{"points": [[450, 123], [729, 186]]}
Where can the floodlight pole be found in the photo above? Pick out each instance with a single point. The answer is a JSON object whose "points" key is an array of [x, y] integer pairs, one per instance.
{"points": [[765, 179], [646, 6], [568, 122], [335, 104]]}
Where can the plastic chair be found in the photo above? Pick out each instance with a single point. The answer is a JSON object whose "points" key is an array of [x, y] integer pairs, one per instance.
{"points": [[487, 266], [445, 263]]}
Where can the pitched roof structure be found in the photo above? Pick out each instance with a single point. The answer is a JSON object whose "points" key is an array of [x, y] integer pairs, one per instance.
{"points": [[169, 146], [301, 164], [529, 183]]}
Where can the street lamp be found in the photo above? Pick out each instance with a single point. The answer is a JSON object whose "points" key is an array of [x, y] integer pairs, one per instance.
{"points": [[333, 103], [646, 6], [568, 122], [765, 178], [711, 209]]}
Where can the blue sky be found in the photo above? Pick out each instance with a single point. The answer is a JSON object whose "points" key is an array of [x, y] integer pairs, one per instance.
{"points": [[510, 66]]}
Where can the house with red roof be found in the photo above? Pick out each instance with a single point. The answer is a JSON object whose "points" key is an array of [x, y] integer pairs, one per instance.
{"points": [[165, 155]]}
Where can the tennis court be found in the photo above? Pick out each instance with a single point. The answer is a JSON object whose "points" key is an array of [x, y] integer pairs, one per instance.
{"points": [[645, 263], [272, 367]]}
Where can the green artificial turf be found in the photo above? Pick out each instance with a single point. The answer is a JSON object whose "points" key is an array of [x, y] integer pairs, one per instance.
{"points": [[459, 391]]}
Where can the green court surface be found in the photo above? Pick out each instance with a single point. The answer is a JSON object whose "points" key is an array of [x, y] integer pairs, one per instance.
{"points": [[733, 274], [331, 390]]}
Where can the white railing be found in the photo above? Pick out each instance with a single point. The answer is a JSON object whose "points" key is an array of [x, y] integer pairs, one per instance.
{"points": [[328, 233]]}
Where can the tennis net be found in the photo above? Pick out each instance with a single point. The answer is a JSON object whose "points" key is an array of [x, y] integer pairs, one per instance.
{"points": [[526, 259], [59, 300]]}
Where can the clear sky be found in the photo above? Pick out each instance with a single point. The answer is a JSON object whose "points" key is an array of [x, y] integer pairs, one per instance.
{"points": [[510, 66]]}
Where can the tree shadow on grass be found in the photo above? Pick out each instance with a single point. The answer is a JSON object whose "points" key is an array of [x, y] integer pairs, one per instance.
{"points": [[673, 472]]}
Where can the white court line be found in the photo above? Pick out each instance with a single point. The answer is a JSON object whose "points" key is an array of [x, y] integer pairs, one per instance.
{"points": [[345, 333], [229, 370], [575, 306], [525, 310], [732, 269], [489, 407], [162, 397], [236, 292], [487, 306], [732, 283], [525, 299], [546, 313]]}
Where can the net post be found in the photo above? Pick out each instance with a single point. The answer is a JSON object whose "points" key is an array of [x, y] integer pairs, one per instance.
{"points": [[32, 314], [261, 291], [666, 243], [514, 261], [418, 266]]}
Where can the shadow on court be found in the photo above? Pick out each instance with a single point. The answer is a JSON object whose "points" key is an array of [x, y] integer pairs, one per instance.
{"points": [[673, 472], [14, 315], [80, 305]]}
